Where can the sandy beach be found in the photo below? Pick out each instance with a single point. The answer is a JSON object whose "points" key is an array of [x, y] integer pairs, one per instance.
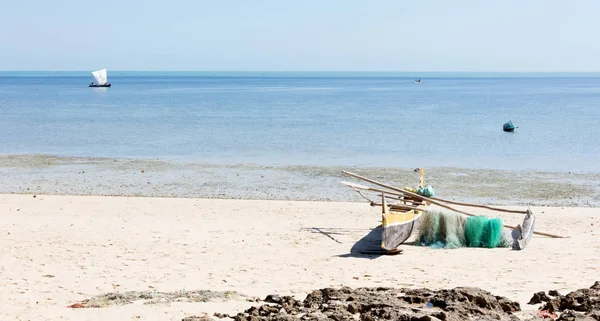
{"points": [[60, 250]]}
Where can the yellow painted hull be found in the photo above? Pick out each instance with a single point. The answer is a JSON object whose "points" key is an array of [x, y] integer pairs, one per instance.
{"points": [[397, 227]]}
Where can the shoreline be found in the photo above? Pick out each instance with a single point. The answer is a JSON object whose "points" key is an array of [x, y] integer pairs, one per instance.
{"points": [[52, 175]]}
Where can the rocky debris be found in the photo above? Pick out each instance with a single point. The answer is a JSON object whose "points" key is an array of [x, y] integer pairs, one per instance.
{"points": [[152, 298], [582, 304], [371, 304], [203, 317], [539, 297], [569, 315], [374, 304]]}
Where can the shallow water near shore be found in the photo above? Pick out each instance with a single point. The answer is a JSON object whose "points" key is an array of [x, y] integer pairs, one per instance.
{"points": [[137, 177]]}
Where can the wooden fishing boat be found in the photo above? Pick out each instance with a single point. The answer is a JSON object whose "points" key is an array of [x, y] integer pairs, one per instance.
{"points": [[397, 225], [400, 220], [508, 127], [100, 79], [523, 233]]}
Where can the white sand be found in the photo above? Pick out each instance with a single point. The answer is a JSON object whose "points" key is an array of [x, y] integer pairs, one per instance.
{"points": [[93, 245]]}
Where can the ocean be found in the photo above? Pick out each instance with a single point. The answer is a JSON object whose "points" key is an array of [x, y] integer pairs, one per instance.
{"points": [[278, 119]]}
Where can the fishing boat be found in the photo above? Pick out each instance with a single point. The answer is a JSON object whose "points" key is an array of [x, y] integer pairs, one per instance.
{"points": [[397, 225], [418, 81], [400, 220], [100, 79], [508, 127]]}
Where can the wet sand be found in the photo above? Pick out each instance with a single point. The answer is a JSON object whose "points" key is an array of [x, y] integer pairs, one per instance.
{"points": [[29, 174]]}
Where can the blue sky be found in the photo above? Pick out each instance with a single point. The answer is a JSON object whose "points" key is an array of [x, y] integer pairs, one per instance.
{"points": [[301, 35]]}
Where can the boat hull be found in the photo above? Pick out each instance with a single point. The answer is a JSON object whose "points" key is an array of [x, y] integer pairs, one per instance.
{"points": [[523, 233], [104, 86], [508, 127], [393, 235]]}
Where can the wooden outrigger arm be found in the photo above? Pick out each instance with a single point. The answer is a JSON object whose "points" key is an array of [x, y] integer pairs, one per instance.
{"points": [[431, 199]]}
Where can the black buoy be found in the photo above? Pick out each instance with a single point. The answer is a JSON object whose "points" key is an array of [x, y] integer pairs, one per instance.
{"points": [[508, 127]]}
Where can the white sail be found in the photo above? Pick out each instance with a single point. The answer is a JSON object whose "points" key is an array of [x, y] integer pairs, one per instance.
{"points": [[100, 77]]}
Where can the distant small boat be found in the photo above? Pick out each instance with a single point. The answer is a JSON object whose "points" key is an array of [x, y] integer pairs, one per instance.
{"points": [[418, 81], [508, 127], [100, 79]]}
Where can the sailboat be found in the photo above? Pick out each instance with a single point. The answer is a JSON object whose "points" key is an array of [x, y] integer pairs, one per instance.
{"points": [[100, 79]]}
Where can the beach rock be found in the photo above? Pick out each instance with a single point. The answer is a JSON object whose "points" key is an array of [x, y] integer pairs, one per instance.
{"points": [[582, 304], [288, 303], [273, 298], [569, 315], [538, 298], [372, 304]]}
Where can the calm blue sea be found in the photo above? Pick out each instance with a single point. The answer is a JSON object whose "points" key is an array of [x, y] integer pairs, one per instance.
{"points": [[346, 119]]}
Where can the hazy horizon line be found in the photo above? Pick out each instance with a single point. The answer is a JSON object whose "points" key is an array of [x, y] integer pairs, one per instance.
{"points": [[303, 71]]}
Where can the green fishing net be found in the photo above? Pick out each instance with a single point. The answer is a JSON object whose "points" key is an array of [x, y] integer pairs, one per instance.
{"points": [[453, 230], [426, 191], [492, 233], [483, 232], [474, 230]]}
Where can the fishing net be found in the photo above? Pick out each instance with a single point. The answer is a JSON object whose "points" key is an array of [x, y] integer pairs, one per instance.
{"points": [[492, 233], [429, 228], [454, 230], [474, 230], [481, 231], [452, 227], [426, 191], [442, 230]]}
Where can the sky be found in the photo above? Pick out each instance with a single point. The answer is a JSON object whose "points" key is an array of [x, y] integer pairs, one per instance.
{"points": [[301, 35]]}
